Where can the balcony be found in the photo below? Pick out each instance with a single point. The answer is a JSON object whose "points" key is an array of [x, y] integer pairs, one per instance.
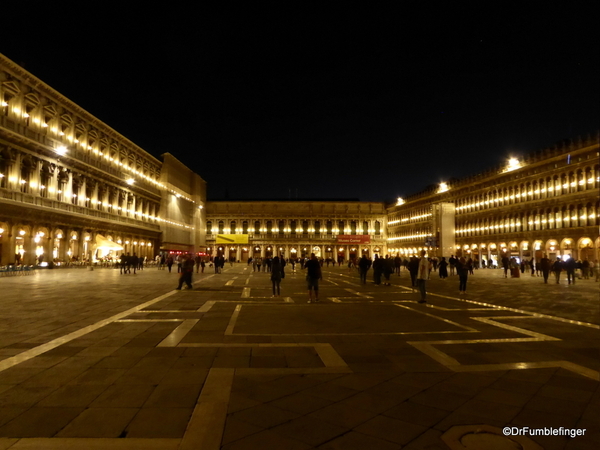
{"points": [[32, 202]]}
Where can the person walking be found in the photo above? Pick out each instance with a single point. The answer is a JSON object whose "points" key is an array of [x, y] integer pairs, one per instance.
{"points": [[187, 270], [443, 270], [544, 266], [123, 263], [276, 276], [452, 262], [169, 263], [413, 269], [570, 265], [135, 261], [363, 265], [462, 269], [505, 265], [557, 268], [197, 260], [422, 276], [388, 270], [397, 264], [313, 275], [377, 270]]}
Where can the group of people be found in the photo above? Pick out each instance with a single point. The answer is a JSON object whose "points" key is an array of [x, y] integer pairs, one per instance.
{"points": [[574, 268], [276, 267], [128, 261]]}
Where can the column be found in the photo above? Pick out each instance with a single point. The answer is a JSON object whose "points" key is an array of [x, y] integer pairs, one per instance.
{"points": [[29, 244], [48, 246], [7, 245]]}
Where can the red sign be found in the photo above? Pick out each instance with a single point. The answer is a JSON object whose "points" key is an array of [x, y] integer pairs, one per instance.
{"points": [[354, 239]]}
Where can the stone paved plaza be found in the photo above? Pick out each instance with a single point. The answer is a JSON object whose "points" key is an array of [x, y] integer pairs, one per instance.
{"points": [[99, 360]]}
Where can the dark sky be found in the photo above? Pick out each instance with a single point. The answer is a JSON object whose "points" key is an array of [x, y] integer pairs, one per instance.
{"points": [[325, 103]]}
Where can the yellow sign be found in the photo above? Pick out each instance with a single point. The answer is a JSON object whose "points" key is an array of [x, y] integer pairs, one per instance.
{"points": [[232, 238]]}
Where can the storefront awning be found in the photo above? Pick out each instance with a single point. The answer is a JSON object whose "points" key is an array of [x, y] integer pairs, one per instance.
{"points": [[103, 243]]}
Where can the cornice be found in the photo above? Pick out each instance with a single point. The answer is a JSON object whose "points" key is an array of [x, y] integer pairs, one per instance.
{"points": [[32, 80]]}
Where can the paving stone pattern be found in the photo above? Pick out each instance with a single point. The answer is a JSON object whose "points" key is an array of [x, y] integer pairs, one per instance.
{"points": [[366, 367]]}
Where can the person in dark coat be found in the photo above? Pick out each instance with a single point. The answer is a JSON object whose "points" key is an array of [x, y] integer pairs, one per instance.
{"points": [[363, 266], [377, 270], [545, 267], [443, 271], [187, 270], [462, 269], [135, 261], [276, 276], [413, 269], [570, 265], [557, 268]]}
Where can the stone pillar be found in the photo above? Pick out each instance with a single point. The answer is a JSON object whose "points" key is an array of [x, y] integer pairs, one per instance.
{"points": [[7, 245], [48, 243], [30, 256]]}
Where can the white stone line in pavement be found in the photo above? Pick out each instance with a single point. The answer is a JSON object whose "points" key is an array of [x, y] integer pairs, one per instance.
{"points": [[148, 320], [335, 299], [520, 311], [360, 294], [36, 351], [427, 348], [492, 321], [170, 311], [178, 333], [202, 279], [206, 426], [464, 327], [329, 356], [207, 306], [229, 283], [288, 300], [246, 292], [233, 320]]}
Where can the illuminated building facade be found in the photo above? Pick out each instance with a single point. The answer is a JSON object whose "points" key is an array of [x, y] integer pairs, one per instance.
{"points": [[335, 229], [544, 203], [71, 186]]}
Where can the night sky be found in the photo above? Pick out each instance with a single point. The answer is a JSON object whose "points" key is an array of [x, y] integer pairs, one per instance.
{"points": [[318, 102]]}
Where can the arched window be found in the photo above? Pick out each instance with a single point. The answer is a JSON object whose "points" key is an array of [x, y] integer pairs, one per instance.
{"points": [[221, 227], [208, 227], [377, 228], [257, 227], [245, 227]]}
